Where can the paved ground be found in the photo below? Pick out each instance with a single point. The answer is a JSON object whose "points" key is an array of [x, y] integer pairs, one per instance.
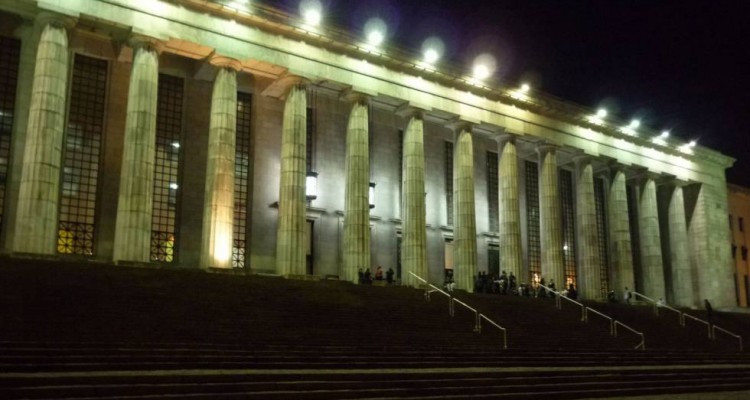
{"points": [[690, 396]]}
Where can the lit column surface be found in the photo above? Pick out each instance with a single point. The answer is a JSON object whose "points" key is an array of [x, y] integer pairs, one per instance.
{"points": [[36, 223], [709, 235], [357, 204], [218, 209], [135, 205], [511, 258], [589, 276], [464, 215], [648, 224], [414, 234], [682, 280], [290, 238], [550, 217], [619, 234]]}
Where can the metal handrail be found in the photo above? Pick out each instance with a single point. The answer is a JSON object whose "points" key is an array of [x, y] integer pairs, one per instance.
{"points": [[505, 332], [611, 320], [584, 317], [452, 311], [708, 324], [738, 337], [641, 345], [558, 301], [680, 314]]}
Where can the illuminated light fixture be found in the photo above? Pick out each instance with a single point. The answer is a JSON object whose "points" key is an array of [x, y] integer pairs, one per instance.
{"points": [[664, 134], [174, 186], [692, 143], [311, 11], [565, 247], [176, 145], [432, 49], [484, 66], [525, 88], [375, 31], [634, 124], [371, 195], [430, 56], [311, 185], [598, 118]]}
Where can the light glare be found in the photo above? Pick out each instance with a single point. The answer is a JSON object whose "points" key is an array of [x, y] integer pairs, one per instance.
{"points": [[664, 134], [432, 49], [311, 11], [484, 66], [635, 123], [525, 88], [431, 55], [601, 113], [375, 31], [692, 143]]}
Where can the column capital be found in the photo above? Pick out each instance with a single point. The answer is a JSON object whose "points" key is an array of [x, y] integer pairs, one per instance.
{"points": [[146, 42], [355, 96], [226, 62], [281, 87], [459, 125], [408, 110], [582, 159], [56, 20], [546, 147]]}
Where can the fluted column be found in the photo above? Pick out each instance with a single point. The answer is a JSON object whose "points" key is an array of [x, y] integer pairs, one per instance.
{"points": [[357, 204], [290, 239], [679, 252], [511, 257], [621, 254], [135, 202], [414, 233], [464, 215], [39, 188], [650, 239], [550, 216], [218, 208], [589, 262]]}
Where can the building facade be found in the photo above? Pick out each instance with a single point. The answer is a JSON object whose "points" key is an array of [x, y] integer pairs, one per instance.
{"points": [[739, 212], [197, 134]]}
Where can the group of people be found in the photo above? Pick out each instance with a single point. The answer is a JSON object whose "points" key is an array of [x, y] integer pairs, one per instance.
{"points": [[503, 284], [366, 278]]}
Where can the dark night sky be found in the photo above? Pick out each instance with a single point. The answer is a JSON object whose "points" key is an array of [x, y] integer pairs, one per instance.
{"points": [[676, 64]]}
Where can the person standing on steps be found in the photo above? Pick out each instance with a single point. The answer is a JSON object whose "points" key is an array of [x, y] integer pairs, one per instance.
{"points": [[389, 276], [627, 295], [709, 311]]}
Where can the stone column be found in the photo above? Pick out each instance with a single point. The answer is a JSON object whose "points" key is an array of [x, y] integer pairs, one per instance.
{"points": [[621, 254], [464, 215], [550, 220], [679, 252], [135, 202], [511, 257], [589, 262], [39, 187], [709, 236], [357, 204], [218, 208], [414, 233], [652, 267], [290, 238]]}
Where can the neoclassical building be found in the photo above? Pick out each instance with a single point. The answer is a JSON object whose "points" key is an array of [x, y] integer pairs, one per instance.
{"points": [[205, 134]]}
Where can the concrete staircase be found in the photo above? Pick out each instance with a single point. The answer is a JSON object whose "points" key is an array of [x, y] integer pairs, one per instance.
{"points": [[74, 330]]}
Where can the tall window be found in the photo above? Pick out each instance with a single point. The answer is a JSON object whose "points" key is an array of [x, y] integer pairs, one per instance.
{"points": [[166, 168], [565, 179], [311, 129], [241, 176], [449, 181], [532, 220], [634, 237], [493, 259], [81, 153], [9, 57], [401, 171], [492, 188], [601, 229]]}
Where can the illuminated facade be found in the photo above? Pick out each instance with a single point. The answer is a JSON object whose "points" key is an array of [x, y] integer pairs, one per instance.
{"points": [[189, 133], [739, 214]]}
